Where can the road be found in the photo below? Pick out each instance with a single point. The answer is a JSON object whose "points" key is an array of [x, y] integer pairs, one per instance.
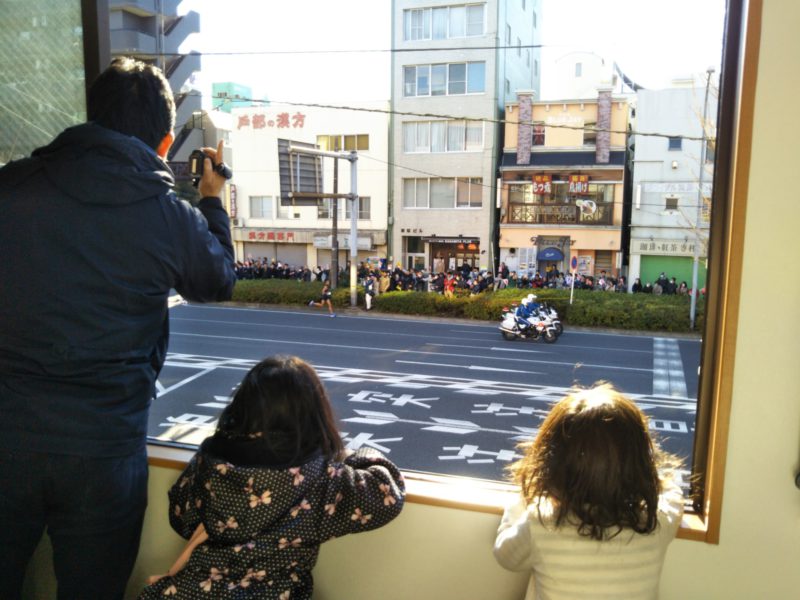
{"points": [[436, 395]]}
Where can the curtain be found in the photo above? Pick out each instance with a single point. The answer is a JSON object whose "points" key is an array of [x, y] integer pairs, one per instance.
{"points": [[439, 23], [455, 136], [474, 135], [442, 193], [438, 133]]}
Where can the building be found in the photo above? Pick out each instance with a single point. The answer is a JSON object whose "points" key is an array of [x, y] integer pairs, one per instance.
{"points": [[563, 176], [228, 95], [41, 74], [670, 216], [152, 32], [459, 62], [264, 227]]}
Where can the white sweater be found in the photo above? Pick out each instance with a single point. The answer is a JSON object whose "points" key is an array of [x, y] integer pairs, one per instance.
{"points": [[568, 566]]}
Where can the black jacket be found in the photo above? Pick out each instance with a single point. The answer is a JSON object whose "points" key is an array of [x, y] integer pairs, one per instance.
{"points": [[92, 239]]}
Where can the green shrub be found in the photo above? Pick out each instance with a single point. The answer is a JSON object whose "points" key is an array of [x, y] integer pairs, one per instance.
{"points": [[591, 309]]}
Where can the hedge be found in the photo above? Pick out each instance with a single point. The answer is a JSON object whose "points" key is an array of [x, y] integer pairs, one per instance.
{"points": [[592, 309]]}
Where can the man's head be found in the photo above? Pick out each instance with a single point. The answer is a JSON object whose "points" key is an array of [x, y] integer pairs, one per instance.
{"points": [[134, 98]]}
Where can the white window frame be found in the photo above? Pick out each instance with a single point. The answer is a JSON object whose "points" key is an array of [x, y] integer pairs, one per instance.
{"points": [[448, 82], [474, 186], [418, 23], [263, 201], [419, 134]]}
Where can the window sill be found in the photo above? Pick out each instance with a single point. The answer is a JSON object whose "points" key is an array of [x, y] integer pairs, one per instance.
{"points": [[446, 491]]}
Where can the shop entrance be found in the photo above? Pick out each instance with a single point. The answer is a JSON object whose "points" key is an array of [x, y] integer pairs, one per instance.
{"points": [[448, 254]]}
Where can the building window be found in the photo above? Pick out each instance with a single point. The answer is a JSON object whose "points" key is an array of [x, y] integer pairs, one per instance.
{"points": [[675, 143], [528, 58], [453, 79], [536, 68], [508, 87], [363, 208], [578, 69], [519, 47], [508, 34], [287, 212], [442, 136], [534, 20], [590, 134], [523, 4], [444, 22], [443, 192], [558, 206], [335, 143], [261, 207], [670, 203], [538, 134]]}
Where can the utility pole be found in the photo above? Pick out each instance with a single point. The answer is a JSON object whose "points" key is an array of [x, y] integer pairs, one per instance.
{"points": [[704, 142], [335, 227]]}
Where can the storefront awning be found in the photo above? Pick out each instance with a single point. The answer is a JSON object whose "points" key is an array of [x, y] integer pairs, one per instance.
{"points": [[451, 240], [550, 254]]}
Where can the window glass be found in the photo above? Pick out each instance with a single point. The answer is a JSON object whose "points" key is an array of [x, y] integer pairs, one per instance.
{"points": [[477, 76], [422, 143], [455, 136], [410, 81], [409, 193], [438, 136], [475, 19], [442, 193], [457, 21], [362, 142], [422, 193], [41, 74], [439, 23], [438, 80], [261, 207], [423, 80], [674, 143], [457, 79], [474, 135]]}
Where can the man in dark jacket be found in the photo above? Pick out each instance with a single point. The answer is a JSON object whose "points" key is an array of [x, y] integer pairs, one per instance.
{"points": [[93, 239]]}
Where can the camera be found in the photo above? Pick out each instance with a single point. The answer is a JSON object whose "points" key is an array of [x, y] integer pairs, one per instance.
{"points": [[196, 162]]}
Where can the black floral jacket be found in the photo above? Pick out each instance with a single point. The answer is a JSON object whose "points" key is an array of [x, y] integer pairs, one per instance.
{"points": [[265, 525]]}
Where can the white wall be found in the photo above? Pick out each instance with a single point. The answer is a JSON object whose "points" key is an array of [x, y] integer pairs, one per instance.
{"points": [[759, 551]]}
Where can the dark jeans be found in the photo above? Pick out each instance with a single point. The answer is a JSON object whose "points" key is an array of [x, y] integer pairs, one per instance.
{"points": [[92, 508]]}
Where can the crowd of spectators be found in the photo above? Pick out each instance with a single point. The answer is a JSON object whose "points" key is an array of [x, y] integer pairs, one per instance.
{"points": [[463, 280]]}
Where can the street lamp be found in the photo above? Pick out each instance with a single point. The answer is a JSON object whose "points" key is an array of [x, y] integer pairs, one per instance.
{"points": [[696, 260]]}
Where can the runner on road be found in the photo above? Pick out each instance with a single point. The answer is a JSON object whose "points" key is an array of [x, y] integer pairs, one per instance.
{"points": [[325, 300]]}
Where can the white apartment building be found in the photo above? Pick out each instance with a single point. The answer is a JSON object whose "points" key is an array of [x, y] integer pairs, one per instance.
{"points": [[454, 66], [670, 214], [302, 235]]}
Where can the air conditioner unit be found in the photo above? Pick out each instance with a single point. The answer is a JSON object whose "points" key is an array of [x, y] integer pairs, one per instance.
{"points": [[237, 222]]}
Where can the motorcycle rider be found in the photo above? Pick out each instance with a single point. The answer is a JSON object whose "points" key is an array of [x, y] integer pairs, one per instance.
{"points": [[521, 314]]}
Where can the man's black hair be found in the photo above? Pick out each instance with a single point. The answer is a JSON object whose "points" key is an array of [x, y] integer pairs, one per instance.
{"points": [[133, 98]]}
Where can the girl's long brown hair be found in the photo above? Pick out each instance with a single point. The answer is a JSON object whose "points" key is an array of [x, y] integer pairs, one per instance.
{"points": [[283, 400], [594, 462]]}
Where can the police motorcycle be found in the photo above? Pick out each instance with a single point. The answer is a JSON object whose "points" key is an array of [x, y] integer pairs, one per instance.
{"points": [[552, 314], [522, 322]]}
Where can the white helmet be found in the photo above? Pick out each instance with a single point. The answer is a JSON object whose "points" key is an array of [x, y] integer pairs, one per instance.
{"points": [[531, 297], [526, 301]]}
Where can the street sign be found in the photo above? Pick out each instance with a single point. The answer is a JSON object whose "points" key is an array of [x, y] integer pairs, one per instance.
{"points": [[574, 262]]}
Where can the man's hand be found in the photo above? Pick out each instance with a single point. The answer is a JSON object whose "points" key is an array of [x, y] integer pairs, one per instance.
{"points": [[211, 183]]}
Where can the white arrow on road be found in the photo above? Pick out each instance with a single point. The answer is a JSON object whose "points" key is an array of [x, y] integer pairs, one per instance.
{"points": [[372, 417]]}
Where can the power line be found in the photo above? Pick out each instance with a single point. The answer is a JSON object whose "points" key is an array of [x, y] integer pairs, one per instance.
{"points": [[261, 102], [356, 51]]}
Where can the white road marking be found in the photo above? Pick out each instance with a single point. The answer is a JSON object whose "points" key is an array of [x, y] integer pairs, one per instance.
{"points": [[403, 351], [184, 382], [471, 367], [668, 376]]}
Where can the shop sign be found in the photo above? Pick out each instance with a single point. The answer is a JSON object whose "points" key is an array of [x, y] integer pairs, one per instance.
{"points": [[578, 184], [662, 247], [542, 184], [270, 236], [232, 211], [326, 242], [282, 120]]}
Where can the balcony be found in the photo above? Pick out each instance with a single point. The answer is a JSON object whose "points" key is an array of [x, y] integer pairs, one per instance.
{"points": [[559, 214], [145, 8], [132, 42]]}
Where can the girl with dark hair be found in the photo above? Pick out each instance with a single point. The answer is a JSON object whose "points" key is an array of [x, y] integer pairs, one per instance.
{"points": [[272, 484], [599, 503]]}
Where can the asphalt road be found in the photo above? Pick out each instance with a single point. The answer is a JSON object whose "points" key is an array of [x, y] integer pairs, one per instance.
{"points": [[436, 395]]}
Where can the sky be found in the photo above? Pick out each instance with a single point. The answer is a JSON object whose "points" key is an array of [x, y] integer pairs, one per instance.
{"points": [[335, 50]]}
